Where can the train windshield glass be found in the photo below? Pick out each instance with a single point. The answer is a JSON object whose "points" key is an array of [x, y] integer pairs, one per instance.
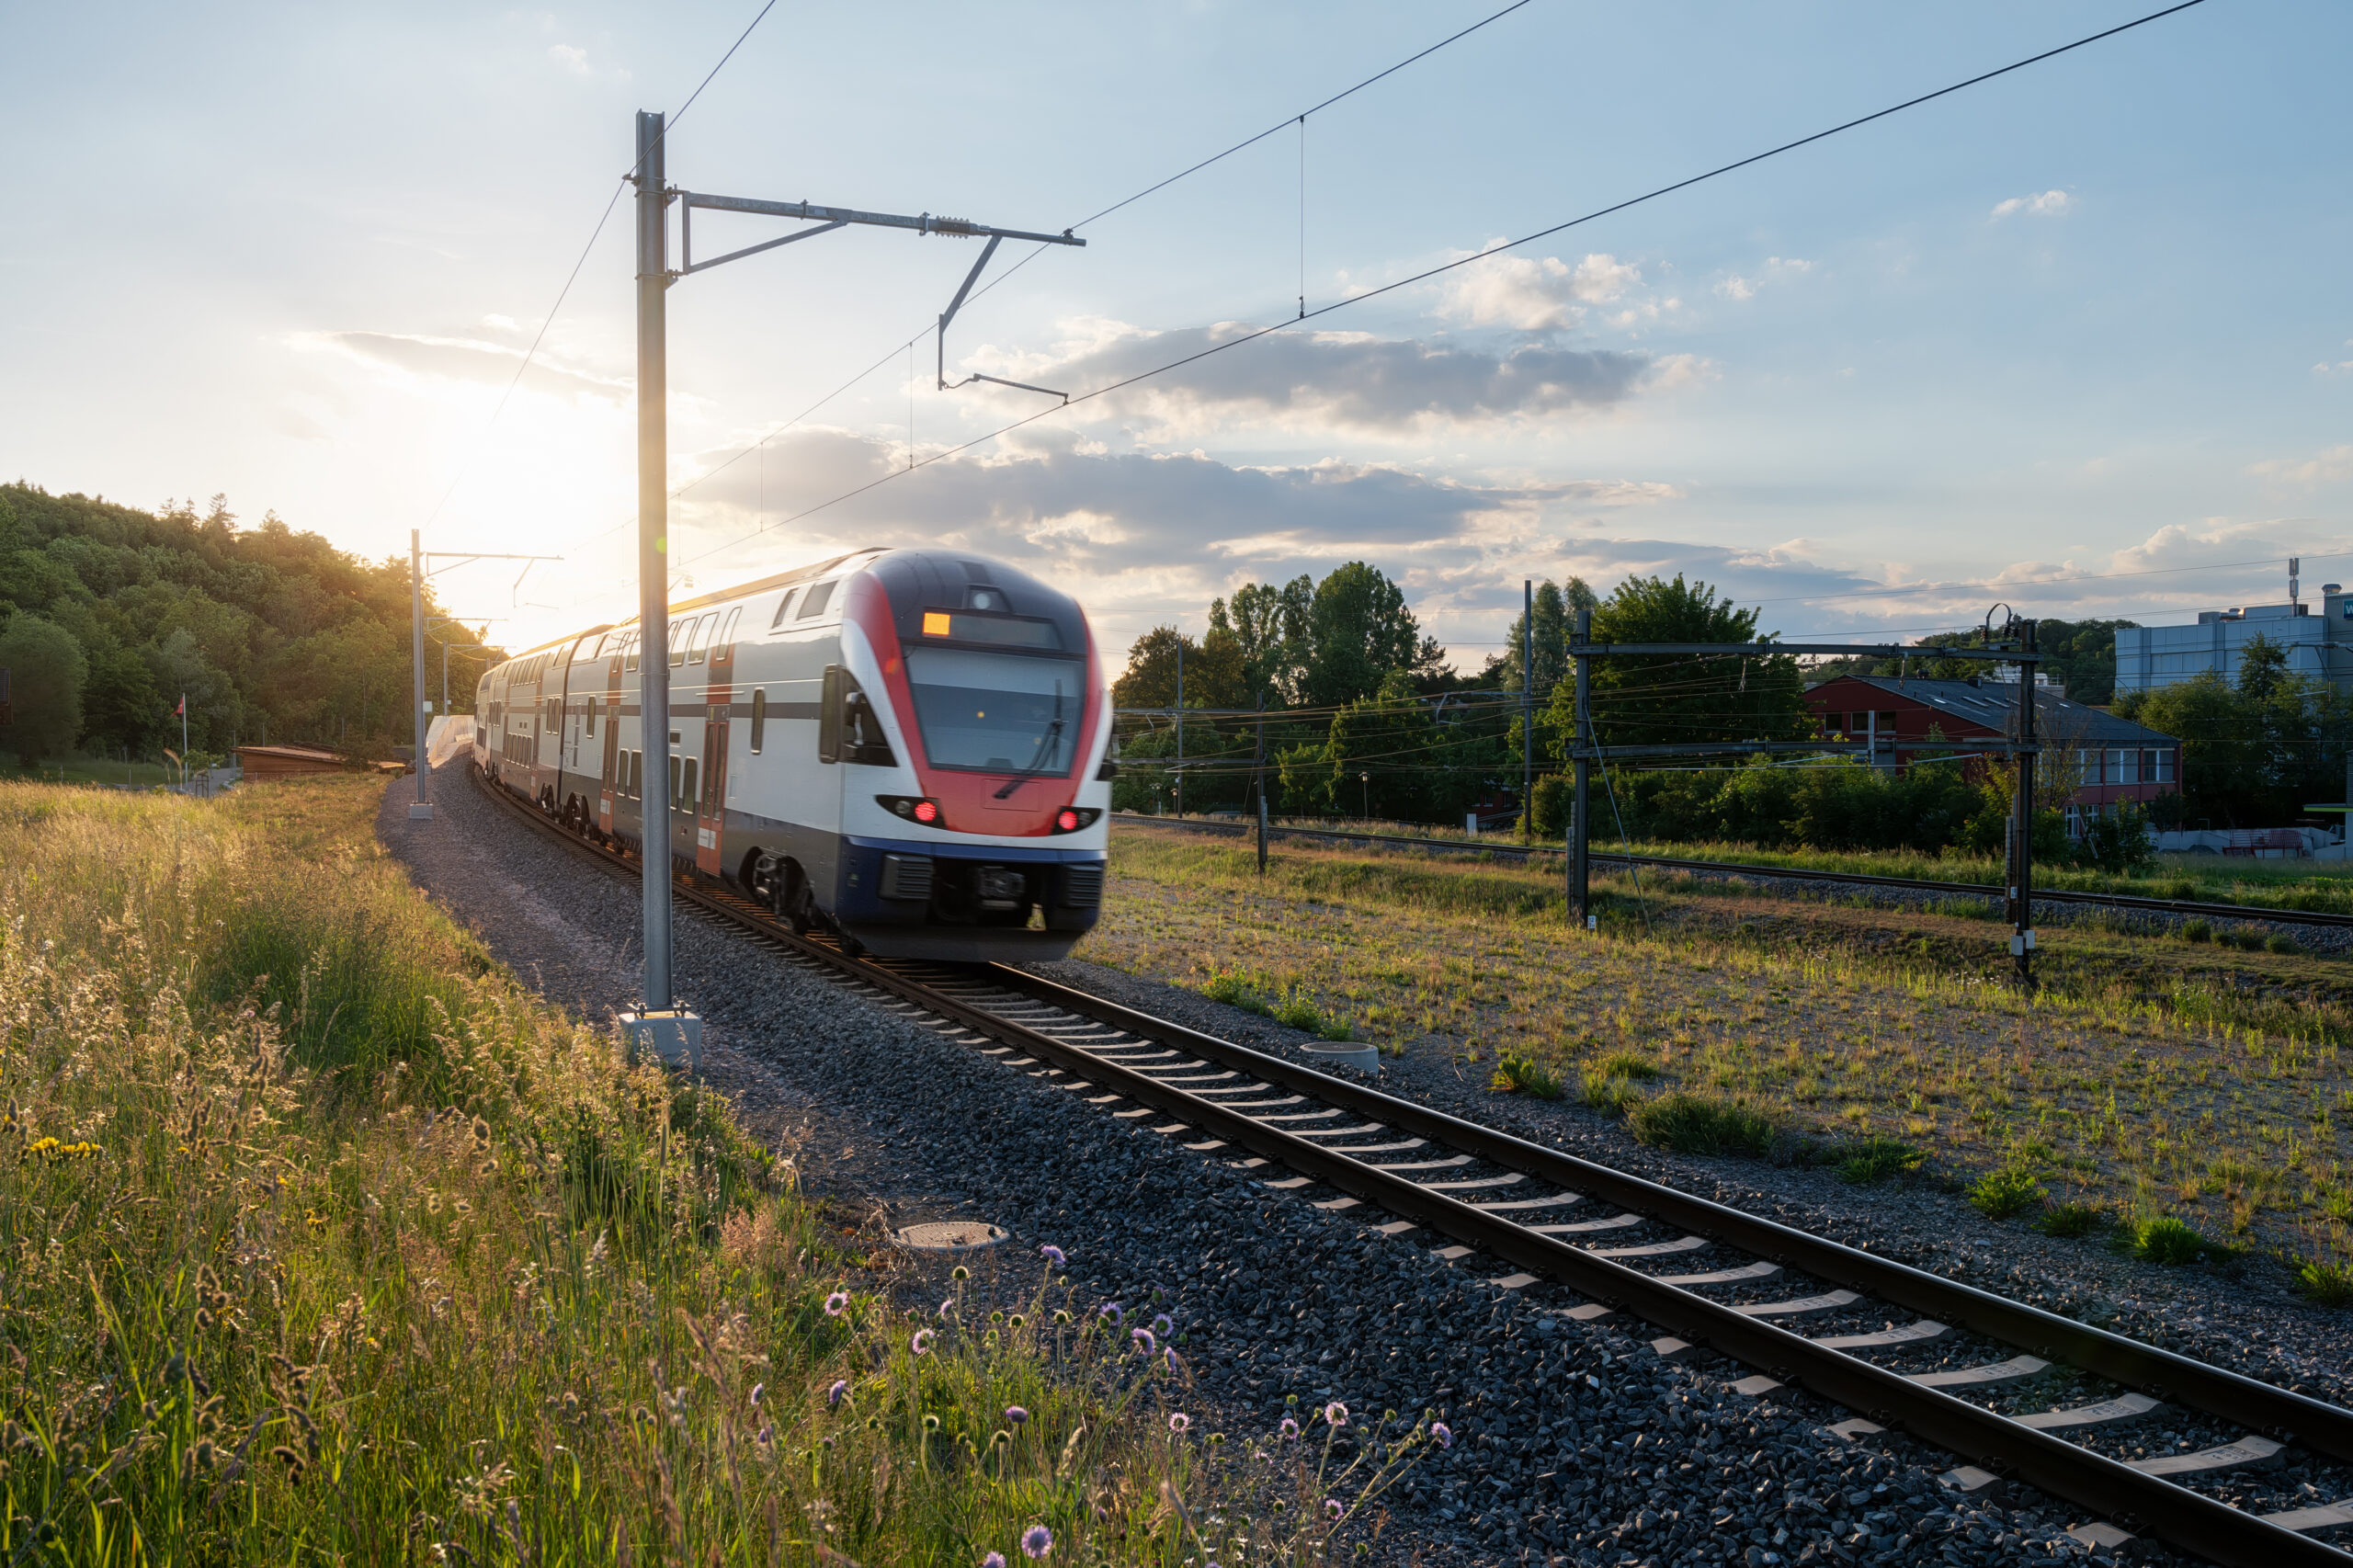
{"points": [[996, 712]]}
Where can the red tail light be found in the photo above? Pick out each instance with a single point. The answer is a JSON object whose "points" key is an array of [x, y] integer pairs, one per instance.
{"points": [[1067, 820], [928, 812]]}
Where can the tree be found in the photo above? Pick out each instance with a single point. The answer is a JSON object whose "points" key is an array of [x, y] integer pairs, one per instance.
{"points": [[1654, 699], [1213, 671], [2223, 766], [46, 669], [1358, 631], [1556, 608], [1270, 628], [120, 704]]}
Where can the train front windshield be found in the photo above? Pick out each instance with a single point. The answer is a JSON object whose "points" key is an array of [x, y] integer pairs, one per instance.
{"points": [[997, 712]]}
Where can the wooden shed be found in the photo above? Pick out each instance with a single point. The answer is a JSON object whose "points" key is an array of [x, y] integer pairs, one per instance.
{"points": [[263, 762]]}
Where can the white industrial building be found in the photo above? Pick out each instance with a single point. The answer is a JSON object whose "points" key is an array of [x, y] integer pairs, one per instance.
{"points": [[2319, 645]]}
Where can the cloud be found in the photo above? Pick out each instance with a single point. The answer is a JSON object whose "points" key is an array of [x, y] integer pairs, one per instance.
{"points": [[2050, 204], [2332, 465], [464, 359], [1777, 268], [1535, 295], [1148, 532], [1322, 380], [570, 59]]}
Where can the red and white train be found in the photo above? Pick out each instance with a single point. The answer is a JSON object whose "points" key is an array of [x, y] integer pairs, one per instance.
{"points": [[909, 747]]}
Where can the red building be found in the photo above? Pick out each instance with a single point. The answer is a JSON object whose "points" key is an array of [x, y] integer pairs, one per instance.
{"points": [[2112, 759]]}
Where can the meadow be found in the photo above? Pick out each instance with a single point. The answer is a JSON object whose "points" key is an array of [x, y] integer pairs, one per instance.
{"points": [[328, 1242], [2148, 1078], [2214, 878]]}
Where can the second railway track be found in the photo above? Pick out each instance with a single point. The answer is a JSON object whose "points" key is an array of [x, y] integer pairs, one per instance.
{"points": [[1953, 1366]]}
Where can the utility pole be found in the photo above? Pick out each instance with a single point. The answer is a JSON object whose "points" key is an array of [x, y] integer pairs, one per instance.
{"points": [[675, 1033], [1259, 768], [420, 809], [1180, 723], [652, 563], [1580, 745], [1528, 710], [2022, 824]]}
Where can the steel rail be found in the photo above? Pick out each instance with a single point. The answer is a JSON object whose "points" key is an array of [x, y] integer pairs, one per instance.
{"points": [[1742, 868], [2134, 1500]]}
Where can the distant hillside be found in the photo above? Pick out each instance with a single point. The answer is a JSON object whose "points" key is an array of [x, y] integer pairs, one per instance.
{"points": [[273, 634]]}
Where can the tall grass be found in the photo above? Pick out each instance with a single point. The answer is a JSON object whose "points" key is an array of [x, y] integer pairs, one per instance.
{"points": [[327, 1242]]}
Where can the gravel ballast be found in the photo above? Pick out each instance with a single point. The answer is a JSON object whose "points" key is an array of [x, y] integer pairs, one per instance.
{"points": [[1575, 1442]]}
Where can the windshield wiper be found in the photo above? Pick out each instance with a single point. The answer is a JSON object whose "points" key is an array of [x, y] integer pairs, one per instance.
{"points": [[1048, 745]]}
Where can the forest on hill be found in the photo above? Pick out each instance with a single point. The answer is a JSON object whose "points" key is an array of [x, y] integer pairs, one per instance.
{"points": [[109, 614]]}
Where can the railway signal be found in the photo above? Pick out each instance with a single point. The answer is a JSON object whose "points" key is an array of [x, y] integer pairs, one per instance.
{"points": [[661, 1023]]}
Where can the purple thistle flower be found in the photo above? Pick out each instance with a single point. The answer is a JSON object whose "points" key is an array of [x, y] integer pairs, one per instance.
{"points": [[836, 1303], [757, 1389], [1443, 1433], [1111, 1310], [1016, 1415], [1052, 1254], [1288, 1430], [921, 1343], [947, 1310], [1332, 1508], [1162, 1326], [993, 1560], [1037, 1540], [838, 1392], [1142, 1337], [1178, 1422], [1336, 1413]]}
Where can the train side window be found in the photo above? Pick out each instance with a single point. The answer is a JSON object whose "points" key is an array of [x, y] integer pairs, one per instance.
{"points": [[829, 717], [726, 638], [588, 719], [677, 646], [553, 715], [628, 651], [678, 765], [636, 775], [783, 608], [815, 601], [698, 638], [759, 719]]}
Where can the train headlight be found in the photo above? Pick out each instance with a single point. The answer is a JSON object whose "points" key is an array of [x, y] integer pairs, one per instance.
{"points": [[1070, 819], [914, 808]]}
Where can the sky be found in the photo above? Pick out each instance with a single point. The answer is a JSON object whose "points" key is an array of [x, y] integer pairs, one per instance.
{"points": [[2076, 340]]}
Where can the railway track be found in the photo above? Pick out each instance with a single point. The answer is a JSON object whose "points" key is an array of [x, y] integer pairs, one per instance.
{"points": [[1966, 1370], [1791, 873]]}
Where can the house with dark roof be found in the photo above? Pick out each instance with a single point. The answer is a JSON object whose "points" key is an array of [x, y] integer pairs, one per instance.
{"points": [[2103, 760]]}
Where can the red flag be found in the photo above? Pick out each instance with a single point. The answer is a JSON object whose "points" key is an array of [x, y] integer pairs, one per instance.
{"points": [[181, 711]]}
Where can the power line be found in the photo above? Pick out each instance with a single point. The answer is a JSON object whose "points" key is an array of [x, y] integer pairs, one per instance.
{"points": [[1006, 275], [1424, 275]]}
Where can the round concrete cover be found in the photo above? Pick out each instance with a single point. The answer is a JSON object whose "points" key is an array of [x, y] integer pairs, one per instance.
{"points": [[949, 1235]]}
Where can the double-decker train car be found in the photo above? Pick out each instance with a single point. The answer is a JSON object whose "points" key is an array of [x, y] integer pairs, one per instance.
{"points": [[908, 747]]}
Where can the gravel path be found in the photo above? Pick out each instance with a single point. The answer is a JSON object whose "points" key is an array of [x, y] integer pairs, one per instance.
{"points": [[1573, 1442]]}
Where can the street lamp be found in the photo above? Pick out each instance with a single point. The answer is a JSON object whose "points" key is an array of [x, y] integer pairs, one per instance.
{"points": [[1365, 778]]}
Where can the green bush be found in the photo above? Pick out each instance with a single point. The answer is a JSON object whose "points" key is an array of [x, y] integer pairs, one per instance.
{"points": [[2280, 942], [2325, 1284], [2198, 931], [1702, 1124], [1626, 1064], [1517, 1074], [1997, 1195], [1875, 1159], [2071, 1220], [2165, 1239]]}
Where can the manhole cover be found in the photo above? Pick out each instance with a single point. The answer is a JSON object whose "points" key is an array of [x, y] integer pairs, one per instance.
{"points": [[949, 1235]]}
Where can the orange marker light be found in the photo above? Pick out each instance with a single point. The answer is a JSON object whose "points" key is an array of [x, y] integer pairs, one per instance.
{"points": [[935, 623]]}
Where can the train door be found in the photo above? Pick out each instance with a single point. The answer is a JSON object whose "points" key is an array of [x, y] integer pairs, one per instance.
{"points": [[711, 807], [608, 779]]}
